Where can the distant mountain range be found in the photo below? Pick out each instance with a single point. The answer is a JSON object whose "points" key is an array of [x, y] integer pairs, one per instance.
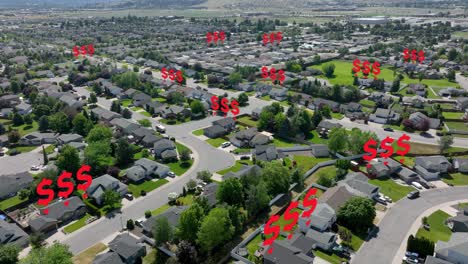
{"points": [[99, 3]]}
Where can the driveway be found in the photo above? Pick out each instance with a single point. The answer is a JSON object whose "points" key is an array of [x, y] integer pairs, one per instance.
{"points": [[396, 224], [21, 162]]}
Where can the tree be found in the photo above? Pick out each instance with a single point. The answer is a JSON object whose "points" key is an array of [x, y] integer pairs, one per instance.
{"points": [[14, 136], [345, 234], [127, 114], [162, 231], [92, 98], [15, 87], [44, 156], [97, 156], [175, 98], [343, 164], [55, 254], [302, 121], [235, 78], [2, 129], [36, 240], [265, 120], [423, 125], [238, 217], [216, 228], [191, 185], [197, 107], [357, 214], [43, 123], [421, 245], [452, 54], [28, 119], [451, 75], [99, 133], [112, 199], [317, 117], [204, 175], [328, 69], [230, 192], [68, 159], [324, 180], [276, 177], [127, 80], [82, 125], [445, 142], [59, 122], [123, 152], [186, 253], [9, 254], [408, 124], [337, 139], [185, 156], [243, 99], [115, 107], [257, 199], [395, 85], [298, 178], [17, 119], [189, 223], [130, 224]]}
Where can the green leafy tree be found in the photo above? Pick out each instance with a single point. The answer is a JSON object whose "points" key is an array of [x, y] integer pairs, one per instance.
{"points": [[451, 75], [126, 113], [111, 199], [452, 54], [92, 98], [189, 223], [185, 156], [128, 80], [99, 133], [9, 254], [55, 254], [266, 120], [317, 118], [235, 78], [328, 69], [204, 175], [116, 107], [43, 123], [123, 152], [175, 98], [68, 159], [338, 140], [145, 122], [162, 231], [97, 156], [197, 107], [277, 178], [395, 85], [216, 229], [17, 119], [230, 192], [82, 125], [186, 253], [14, 136], [243, 99], [36, 240], [324, 180], [257, 199], [28, 119], [445, 143], [2, 129], [345, 234], [59, 122], [130, 224], [44, 155], [357, 214]]}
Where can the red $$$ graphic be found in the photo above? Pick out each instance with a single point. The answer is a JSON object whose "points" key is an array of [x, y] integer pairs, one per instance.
{"points": [[366, 69], [215, 37], [370, 147], [415, 55], [225, 106], [272, 37], [273, 74], [172, 75], [83, 50]]}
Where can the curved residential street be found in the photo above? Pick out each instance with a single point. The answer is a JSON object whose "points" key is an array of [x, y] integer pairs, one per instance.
{"points": [[397, 222]]}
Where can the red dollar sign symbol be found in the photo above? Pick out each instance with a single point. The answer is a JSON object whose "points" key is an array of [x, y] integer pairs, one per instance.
{"points": [[41, 191], [309, 202], [273, 74], [76, 52], [375, 69], [271, 229], [225, 105], [234, 107], [291, 216], [406, 55], [357, 66], [372, 152], [84, 177], [214, 102], [404, 145], [421, 56], [264, 72], [83, 50], [281, 76], [180, 78], [413, 55], [209, 37], [65, 184], [265, 39], [389, 148], [279, 37], [164, 73], [91, 49], [366, 70], [222, 36], [171, 74]]}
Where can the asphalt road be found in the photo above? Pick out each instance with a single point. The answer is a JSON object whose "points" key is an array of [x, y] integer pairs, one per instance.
{"points": [[397, 222], [21, 162]]}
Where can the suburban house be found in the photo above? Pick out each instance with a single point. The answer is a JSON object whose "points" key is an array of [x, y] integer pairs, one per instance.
{"points": [[140, 99], [23, 108], [285, 252], [356, 183], [146, 169], [430, 167], [10, 233], [209, 192], [382, 168], [279, 94], [11, 184], [384, 116], [58, 213], [172, 214], [104, 183], [174, 111], [220, 128], [459, 223], [165, 149], [10, 100], [417, 88], [350, 108], [244, 170], [318, 103], [249, 138], [68, 138], [38, 138], [455, 250], [124, 249], [335, 197], [451, 91], [124, 126], [72, 101], [266, 153], [104, 114], [322, 219], [322, 240], [324, 127], [462, 103], [418, 117], [415, 101], [461, 165]]}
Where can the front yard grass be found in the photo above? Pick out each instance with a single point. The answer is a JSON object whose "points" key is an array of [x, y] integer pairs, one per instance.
{"points": [[180, 147], [391, 189], [215, 142], [126, 102], [284, 143], [26, 129], [23, 149], [76, 225], [198, 132], [266, 98], [338, 116], [146, 186], [438, 229], [315, 138], [457, 125], [242, 150], [178, 167], [453, 115], [160, 210], [329, 171], [456, 179], [10, 202], [236, 167], [248, 121], [87, 256], [332, 258]]}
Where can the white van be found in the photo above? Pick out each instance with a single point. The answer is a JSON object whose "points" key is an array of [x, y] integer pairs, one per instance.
{"points": [[417, 185]]}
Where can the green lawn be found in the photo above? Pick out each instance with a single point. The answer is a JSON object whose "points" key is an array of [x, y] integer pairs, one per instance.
{"points": [[460, 34], [248, 121], [126, 102], [198, 132], [252, 246], [23, 149], [266, 98], [281, 142], [180, 147], [242, 150], [186, 200], [178, 168], [453, 115], [457, 125], [328, 170], [338, 116], [391, 189], [438, 230], [10, 202], [50, 149], [215, 142], [147, 186], [5, 121], [26, 129], [456, 179], [332, 258], [139, 155], [314, 137], [161, 209], [76, 225], [367, 103], [87, 256], [136, 108], [145, 113], [409, 161], [237, 166], [307, 162]]}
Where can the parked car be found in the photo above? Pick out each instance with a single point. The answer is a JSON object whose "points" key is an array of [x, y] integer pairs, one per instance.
{"points": [[410, 260], [139, 222], [245, 158], [226, 144], [425, 184], [381, 200], [171, 174], [128, 196], [160, 128], [35, 168], [388, 129], [411, 254], [14, 152], [2, 154], [417, 185], [413, 195]]}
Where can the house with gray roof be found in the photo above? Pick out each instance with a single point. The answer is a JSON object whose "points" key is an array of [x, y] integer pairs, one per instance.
{"points": [[279, 94], [124, 126], [266, 153], [10, 100], [249, 138], [104, 114], [146, 169], [322, 240], [434, 260], [11, 184], [140, 99], [322, 219], [244, 170], [461, 165], [129, 249], [57, 214], [37, 138], [324, 127], [149, 140], [23, 108], [407, 175], [357, 184], [459, 223], [384, 116], [285, 252], [165, 149], [209, 192], [455, 250], [68, 138], [104, 183], [109, 257], [430, 167], [10, 233], [336, 196], [220, 128], [418, 118], [462, 103], [172, 214], [174, 111]]}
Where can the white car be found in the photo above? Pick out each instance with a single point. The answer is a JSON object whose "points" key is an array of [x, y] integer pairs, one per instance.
{"points": [[171, 174], [417, 185], [35, 168], [160, 128], [226, 144], [139, 222]]}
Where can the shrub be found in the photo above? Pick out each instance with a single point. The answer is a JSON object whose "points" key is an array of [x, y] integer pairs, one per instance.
{"points": [[148, 214], [143, 193], [130, 224]]}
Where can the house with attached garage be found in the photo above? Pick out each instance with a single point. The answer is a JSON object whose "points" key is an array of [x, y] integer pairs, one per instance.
{"points": [[418, 118], [104, 115], [357, 184], [279, 94], [249, 138], [417, 88], [38, 138], [459, 223], [11, 184], [244, 170], [146, 169], [455, 250], [68, 138], [297, 250], [336, 197], [430, 167], [461, 165], [323, 240], [318, 103], [462, 103], [23, 108], [174, 111], [123, 249], [415, 101], [124, 126], [322, 219], [172, 214], [11, 234], [165, 149], [384, 116], [220, 128], [266, 153], [140, 99], [104, 183], [209, 192]]}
